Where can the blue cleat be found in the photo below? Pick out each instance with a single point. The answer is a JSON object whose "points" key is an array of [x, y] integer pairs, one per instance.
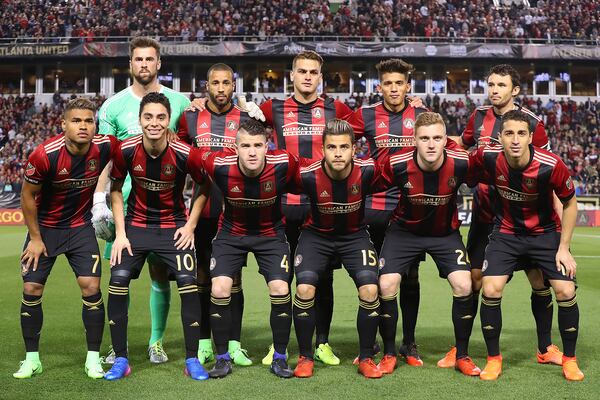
{"points": [[120, 369], [195, 370]]}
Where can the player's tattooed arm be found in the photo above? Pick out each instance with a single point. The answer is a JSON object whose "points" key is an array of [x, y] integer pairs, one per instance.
{"points": [[35, 248], [564, 259], [118, 208]]}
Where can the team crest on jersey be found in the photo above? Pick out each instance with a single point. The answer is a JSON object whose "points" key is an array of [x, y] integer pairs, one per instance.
{"points": [[232, 126], [530, 183], [168, 169], [213, 263], [569, 183], [452, 182], [354, 189], [267, 186], [298, 260], [30, 170], [317, 113], [92, 165], [409, 123]]}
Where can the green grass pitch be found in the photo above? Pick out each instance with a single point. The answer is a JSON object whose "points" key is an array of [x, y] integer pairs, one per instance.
{"points": [[62, 347]]}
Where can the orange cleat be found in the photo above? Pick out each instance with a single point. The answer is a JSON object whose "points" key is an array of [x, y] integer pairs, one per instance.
{"points": [[304, 368], [449, 360], [369, 369], [571, 370], [553, 355], [387, 365], [410, 354], [467, 367], [492, 369]]}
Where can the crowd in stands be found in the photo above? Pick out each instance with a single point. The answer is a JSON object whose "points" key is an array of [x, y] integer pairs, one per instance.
{"points": [[198, 20]]}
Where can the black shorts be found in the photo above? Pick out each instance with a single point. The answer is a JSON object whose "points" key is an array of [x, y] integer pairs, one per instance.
{"points": [[402, 248], [181, 264], [205, 232], [477, 240], [272, 253], [377, 222], [355, 251], [294, 218], [79, 245], [506, 252]]}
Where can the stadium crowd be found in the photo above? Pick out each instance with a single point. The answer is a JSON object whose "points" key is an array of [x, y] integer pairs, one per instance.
{"points": [[550, 20]]}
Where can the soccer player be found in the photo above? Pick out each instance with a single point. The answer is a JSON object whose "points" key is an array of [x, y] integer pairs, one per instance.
{"points": [[56, 199], [252, 182], [426, 221], [526, 225], [118, 117], [484, 125], [336, 186], [215, 129], [156, 222], [388, 127]]}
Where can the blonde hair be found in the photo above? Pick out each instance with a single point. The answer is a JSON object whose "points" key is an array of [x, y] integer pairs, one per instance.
{"points": [[307, 55], [429, 118]]}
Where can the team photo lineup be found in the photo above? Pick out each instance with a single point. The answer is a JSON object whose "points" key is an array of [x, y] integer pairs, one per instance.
{"points": [[282, 181]]}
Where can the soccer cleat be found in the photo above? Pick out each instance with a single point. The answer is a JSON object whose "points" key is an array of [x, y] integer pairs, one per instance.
{"points": [[205, 351], [553, 355], [280, 368], [492, 369], [238, 355], [195, 370], [388, 363], [157, 354], [110, 357], [449, 360], [369, 369], [93, 369], [221, 369], [467, 367], [28, 368], [571, 370], [324, 353], [410, 354], [268, 359], [304, 368], [376, 350], [120, 369]]}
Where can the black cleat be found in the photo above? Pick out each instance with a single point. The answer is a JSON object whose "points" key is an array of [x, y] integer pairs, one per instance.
{"points": [[221, 369], [410, 354], [280, 368]]}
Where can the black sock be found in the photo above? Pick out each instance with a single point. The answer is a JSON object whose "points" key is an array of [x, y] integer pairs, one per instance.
{"points": [[118, 317], [32, 318], [388, 322], [324, 308], [204, 292], [367, 322], [220, 322], [237, 312], [92, 313], [410, 294], [491, 323], [568, 323], [281, 321], [304, 324], [190, 318], [475, 299], [542, 309], [462, 318]]}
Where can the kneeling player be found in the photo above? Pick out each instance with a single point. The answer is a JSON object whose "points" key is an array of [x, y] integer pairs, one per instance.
{"points": [[337, 187], [526, 226], [156, 222], [426, 221], [56, 200]]}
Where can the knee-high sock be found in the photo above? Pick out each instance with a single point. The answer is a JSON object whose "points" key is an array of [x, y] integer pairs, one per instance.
{"points": [[324, 308], [543, 310], [118, 316], [204, 293], [190, 318], [92, 313], [388, 322], [220, 322], [410, 296], [462, 318], [568, 323], [160, 301], [237, 312], [32, 318], [475, 303], [281, 321], [304, 323], [367, 321], [491, 323]]}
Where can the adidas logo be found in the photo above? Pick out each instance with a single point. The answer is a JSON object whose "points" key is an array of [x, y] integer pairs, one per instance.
{"points": [[571, 329], [304, 314], [324, 194], [93, 308], [502, 178], [374, 314], [216, 315], [488, 328], [63, 172], [111, 322], [204, 125], [195, 324], [138, 168], [235, 189], [385, 316], [466, 317], [25, 314], [382, 125], [408, 185], [291, 114], [283, 315]]}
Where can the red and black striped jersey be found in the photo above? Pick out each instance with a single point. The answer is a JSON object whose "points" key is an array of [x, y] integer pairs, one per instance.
{"points": [[428, 199], [156, 197], [523, 199], [386, 133], [210, 131], [68, 181], [252, 204], [484, 124], [337, 206], [298, 128]]}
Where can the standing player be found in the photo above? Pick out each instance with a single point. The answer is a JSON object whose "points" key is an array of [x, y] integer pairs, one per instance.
{"points": [[388, 128], [252, 183], [526, 225], [56, 200], [118, 117], [336, 186], [483, 126], [298, 124], [426, 220], [215, 129], [156, 222]]}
